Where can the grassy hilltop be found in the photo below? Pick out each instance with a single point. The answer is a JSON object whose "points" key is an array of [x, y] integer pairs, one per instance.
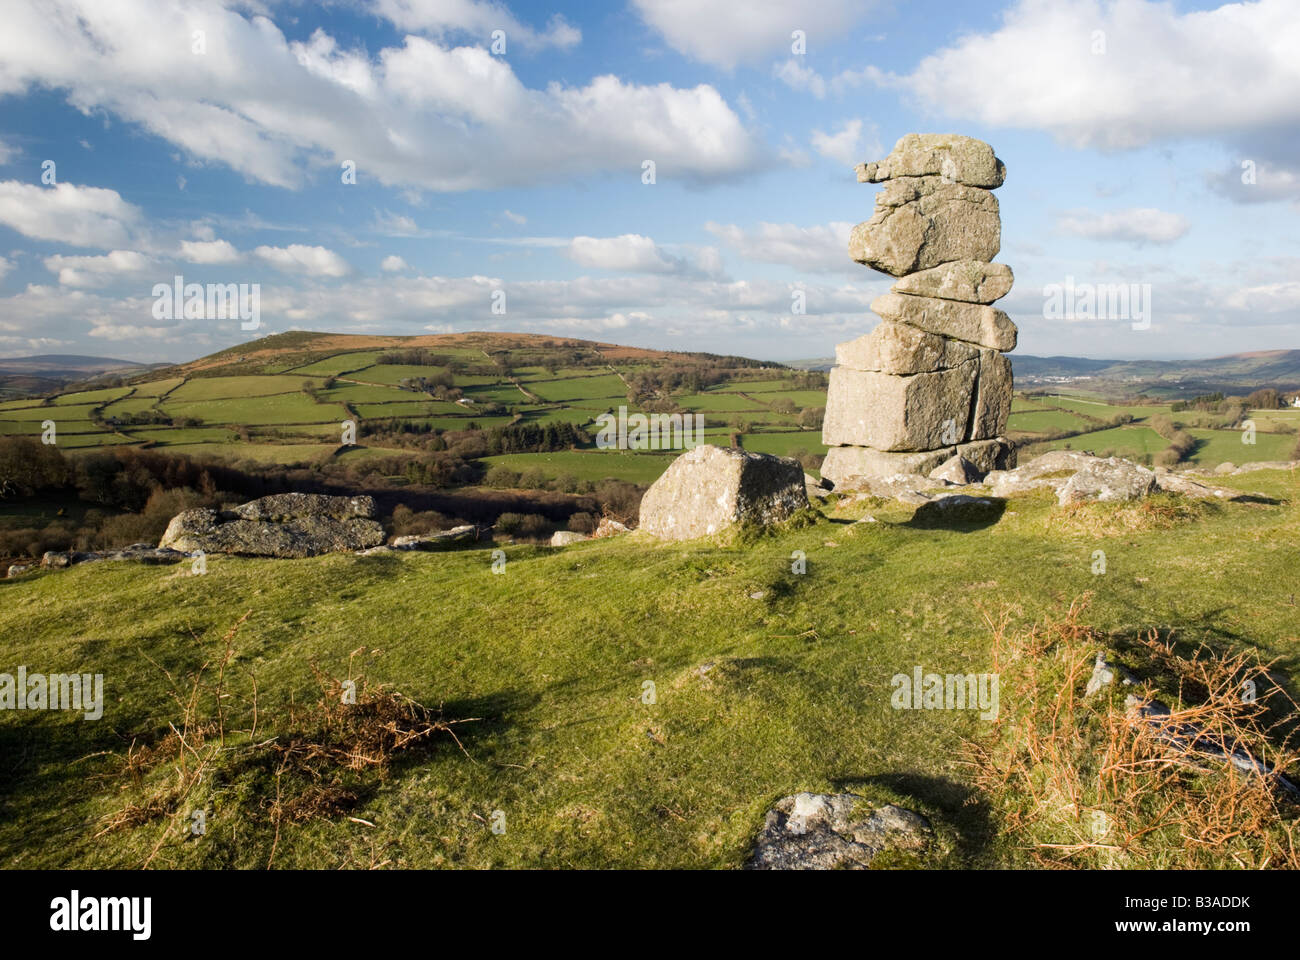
{"points": [[223, 691]]}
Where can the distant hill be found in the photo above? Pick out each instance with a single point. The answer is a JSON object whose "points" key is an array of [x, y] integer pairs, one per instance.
{"points": [[1237, 373], [65, 365], [53, 372]]}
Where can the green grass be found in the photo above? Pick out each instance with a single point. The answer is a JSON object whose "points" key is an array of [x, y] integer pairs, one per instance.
{"points": [[172, 436], [280, 408], [782, 444], [643, 468], [156, 388], [1040, 421], [222, 388], [340, 364], [580, 388], [552, 657], [394, 373], [406, 408], [1217, 446], [58, 413], [128, 406], [721, 402], [1129, 441], [91, 396]]}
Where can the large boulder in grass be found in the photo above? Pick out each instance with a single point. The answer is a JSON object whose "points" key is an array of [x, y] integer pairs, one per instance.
{"points": [[1110, 479], [285, 525], [709, 488]]}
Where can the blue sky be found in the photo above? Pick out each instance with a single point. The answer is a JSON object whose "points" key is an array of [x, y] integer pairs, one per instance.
{"points": [[1124, 126]]}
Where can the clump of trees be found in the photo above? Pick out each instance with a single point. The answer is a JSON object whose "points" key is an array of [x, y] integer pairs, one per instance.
{"points": [[1181, 443]]}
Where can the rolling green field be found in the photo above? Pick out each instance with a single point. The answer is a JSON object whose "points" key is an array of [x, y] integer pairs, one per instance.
{"points": [[766, 683], [271, 404]]}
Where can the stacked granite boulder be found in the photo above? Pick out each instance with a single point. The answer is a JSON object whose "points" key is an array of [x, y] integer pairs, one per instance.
{"points": [[929, 388]]}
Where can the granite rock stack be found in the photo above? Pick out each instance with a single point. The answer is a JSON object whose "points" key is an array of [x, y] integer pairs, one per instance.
{"points": [[931, 382]]}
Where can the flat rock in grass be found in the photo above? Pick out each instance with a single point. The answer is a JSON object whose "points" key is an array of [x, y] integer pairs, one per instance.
{"points": [[710, 488], [973, 281], [921, 222], [1265, 465], [960, 508], [439, 540], [139, 552], [817, 831], [562, 538], [1109, 480], [972, 322], [947, 155], [1178, 483], [284, 526], [1052, 469]]}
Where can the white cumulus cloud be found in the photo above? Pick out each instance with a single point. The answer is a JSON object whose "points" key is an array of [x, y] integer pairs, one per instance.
{"points": [[67, 213], [725, 34], [304, 259], [1139, 225]]}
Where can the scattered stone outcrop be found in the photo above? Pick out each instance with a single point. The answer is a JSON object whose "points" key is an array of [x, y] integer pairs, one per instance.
{"points": [[817, 831], [1075, 477], [440, 540], [285, 525], [710, 488], [140, 552], [930, 383]]}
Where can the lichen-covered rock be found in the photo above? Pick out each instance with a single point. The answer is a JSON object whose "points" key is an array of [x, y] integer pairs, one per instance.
{"points": [[562, 538], [811, 831], [975, 323], [919, 412], [710, 488], [286, 525], [1108, 480], [140, 552], [948, 155], [901, 349], [1178, 483], [973, 281], [921, 222]]}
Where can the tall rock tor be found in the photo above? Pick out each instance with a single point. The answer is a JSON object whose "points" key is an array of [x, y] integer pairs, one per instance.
{"points": [[931, 381]]}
